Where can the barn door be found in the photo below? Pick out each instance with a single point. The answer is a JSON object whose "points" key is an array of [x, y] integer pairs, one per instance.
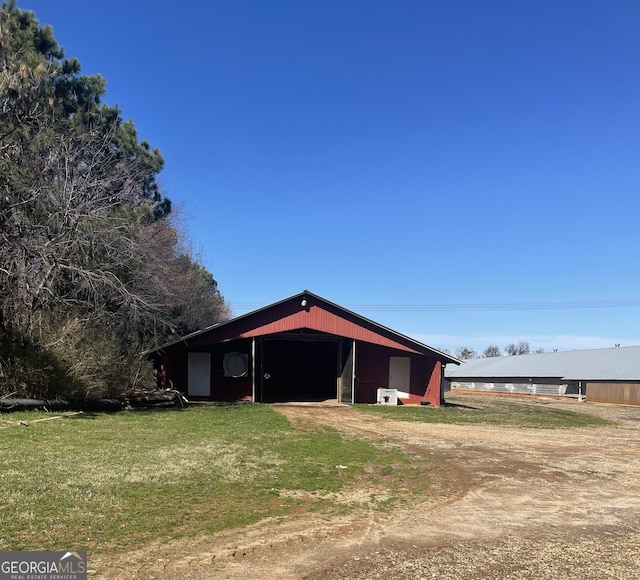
{"points": [[400, 374], [199, 374], [348, 374]]}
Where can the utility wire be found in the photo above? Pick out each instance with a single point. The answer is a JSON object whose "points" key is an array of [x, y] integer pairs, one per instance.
{"points": [[498, 306], [569, 305]]}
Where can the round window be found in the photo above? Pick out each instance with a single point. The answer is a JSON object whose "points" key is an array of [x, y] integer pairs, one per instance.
{"points": [[235, 365]]}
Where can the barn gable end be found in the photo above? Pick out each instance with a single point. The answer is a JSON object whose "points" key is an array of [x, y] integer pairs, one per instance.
{"points": [[302, 348]]}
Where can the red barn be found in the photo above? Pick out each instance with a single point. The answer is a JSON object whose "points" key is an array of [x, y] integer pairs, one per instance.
{"points": [[303, 348]]}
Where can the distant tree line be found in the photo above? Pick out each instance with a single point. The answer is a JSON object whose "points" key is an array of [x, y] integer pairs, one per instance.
{"points": [[94, 267], [512, 349]]}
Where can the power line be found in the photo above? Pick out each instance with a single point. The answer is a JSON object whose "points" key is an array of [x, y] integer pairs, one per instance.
{"points": [[593, 304], [477, 307]]}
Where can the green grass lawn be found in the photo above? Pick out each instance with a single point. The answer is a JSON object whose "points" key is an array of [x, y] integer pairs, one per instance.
{"points": [[108, 481], [489, 410], [105, 481]]}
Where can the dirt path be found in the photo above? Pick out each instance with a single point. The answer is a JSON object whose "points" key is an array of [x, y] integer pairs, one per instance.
{"points": [[508, 503]]}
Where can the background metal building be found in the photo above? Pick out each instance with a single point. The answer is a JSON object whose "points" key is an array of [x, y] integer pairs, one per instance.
{"points": [[605, 375]]}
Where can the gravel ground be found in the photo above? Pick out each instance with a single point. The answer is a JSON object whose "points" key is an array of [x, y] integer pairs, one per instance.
{"points": [[507, 503], [595, 557]]}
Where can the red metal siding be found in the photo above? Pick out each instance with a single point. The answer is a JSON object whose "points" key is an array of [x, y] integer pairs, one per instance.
{"points": [[425, 381], [434, 388], [420, 374], [175, 363], [229, 388], [292, 316], [372, 371]]}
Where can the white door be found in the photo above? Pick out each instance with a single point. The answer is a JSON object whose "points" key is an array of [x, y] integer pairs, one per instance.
{"points": [[400, 375], [199, 378]]}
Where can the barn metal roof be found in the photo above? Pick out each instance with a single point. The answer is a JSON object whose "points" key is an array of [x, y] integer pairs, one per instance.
{"points": [[603, 364]]}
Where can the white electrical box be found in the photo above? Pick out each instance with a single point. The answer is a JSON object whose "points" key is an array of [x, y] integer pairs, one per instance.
{"points": [[387, 396]]}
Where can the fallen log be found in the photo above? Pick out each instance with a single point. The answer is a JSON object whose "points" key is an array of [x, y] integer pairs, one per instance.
{"points": [[104, 405], [135, 400]]}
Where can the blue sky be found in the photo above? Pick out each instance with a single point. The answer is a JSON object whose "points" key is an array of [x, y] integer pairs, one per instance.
{"points": [[403, 159]]}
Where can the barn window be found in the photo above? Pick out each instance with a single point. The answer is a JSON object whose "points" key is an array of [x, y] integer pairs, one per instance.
{"points": [[235, 364]]}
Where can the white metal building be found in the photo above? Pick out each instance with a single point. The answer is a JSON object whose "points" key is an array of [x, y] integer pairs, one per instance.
{"points": [[607, 375]]}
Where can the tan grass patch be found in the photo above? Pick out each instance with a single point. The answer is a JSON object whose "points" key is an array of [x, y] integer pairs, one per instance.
{"points": [[353, 496], [173, 464]]}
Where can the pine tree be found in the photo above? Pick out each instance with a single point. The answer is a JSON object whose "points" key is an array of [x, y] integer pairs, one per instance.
{"points": [[83, 270]]}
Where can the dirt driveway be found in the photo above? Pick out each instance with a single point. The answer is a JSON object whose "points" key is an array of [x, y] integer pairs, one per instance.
{"points": [[507, 503]]}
